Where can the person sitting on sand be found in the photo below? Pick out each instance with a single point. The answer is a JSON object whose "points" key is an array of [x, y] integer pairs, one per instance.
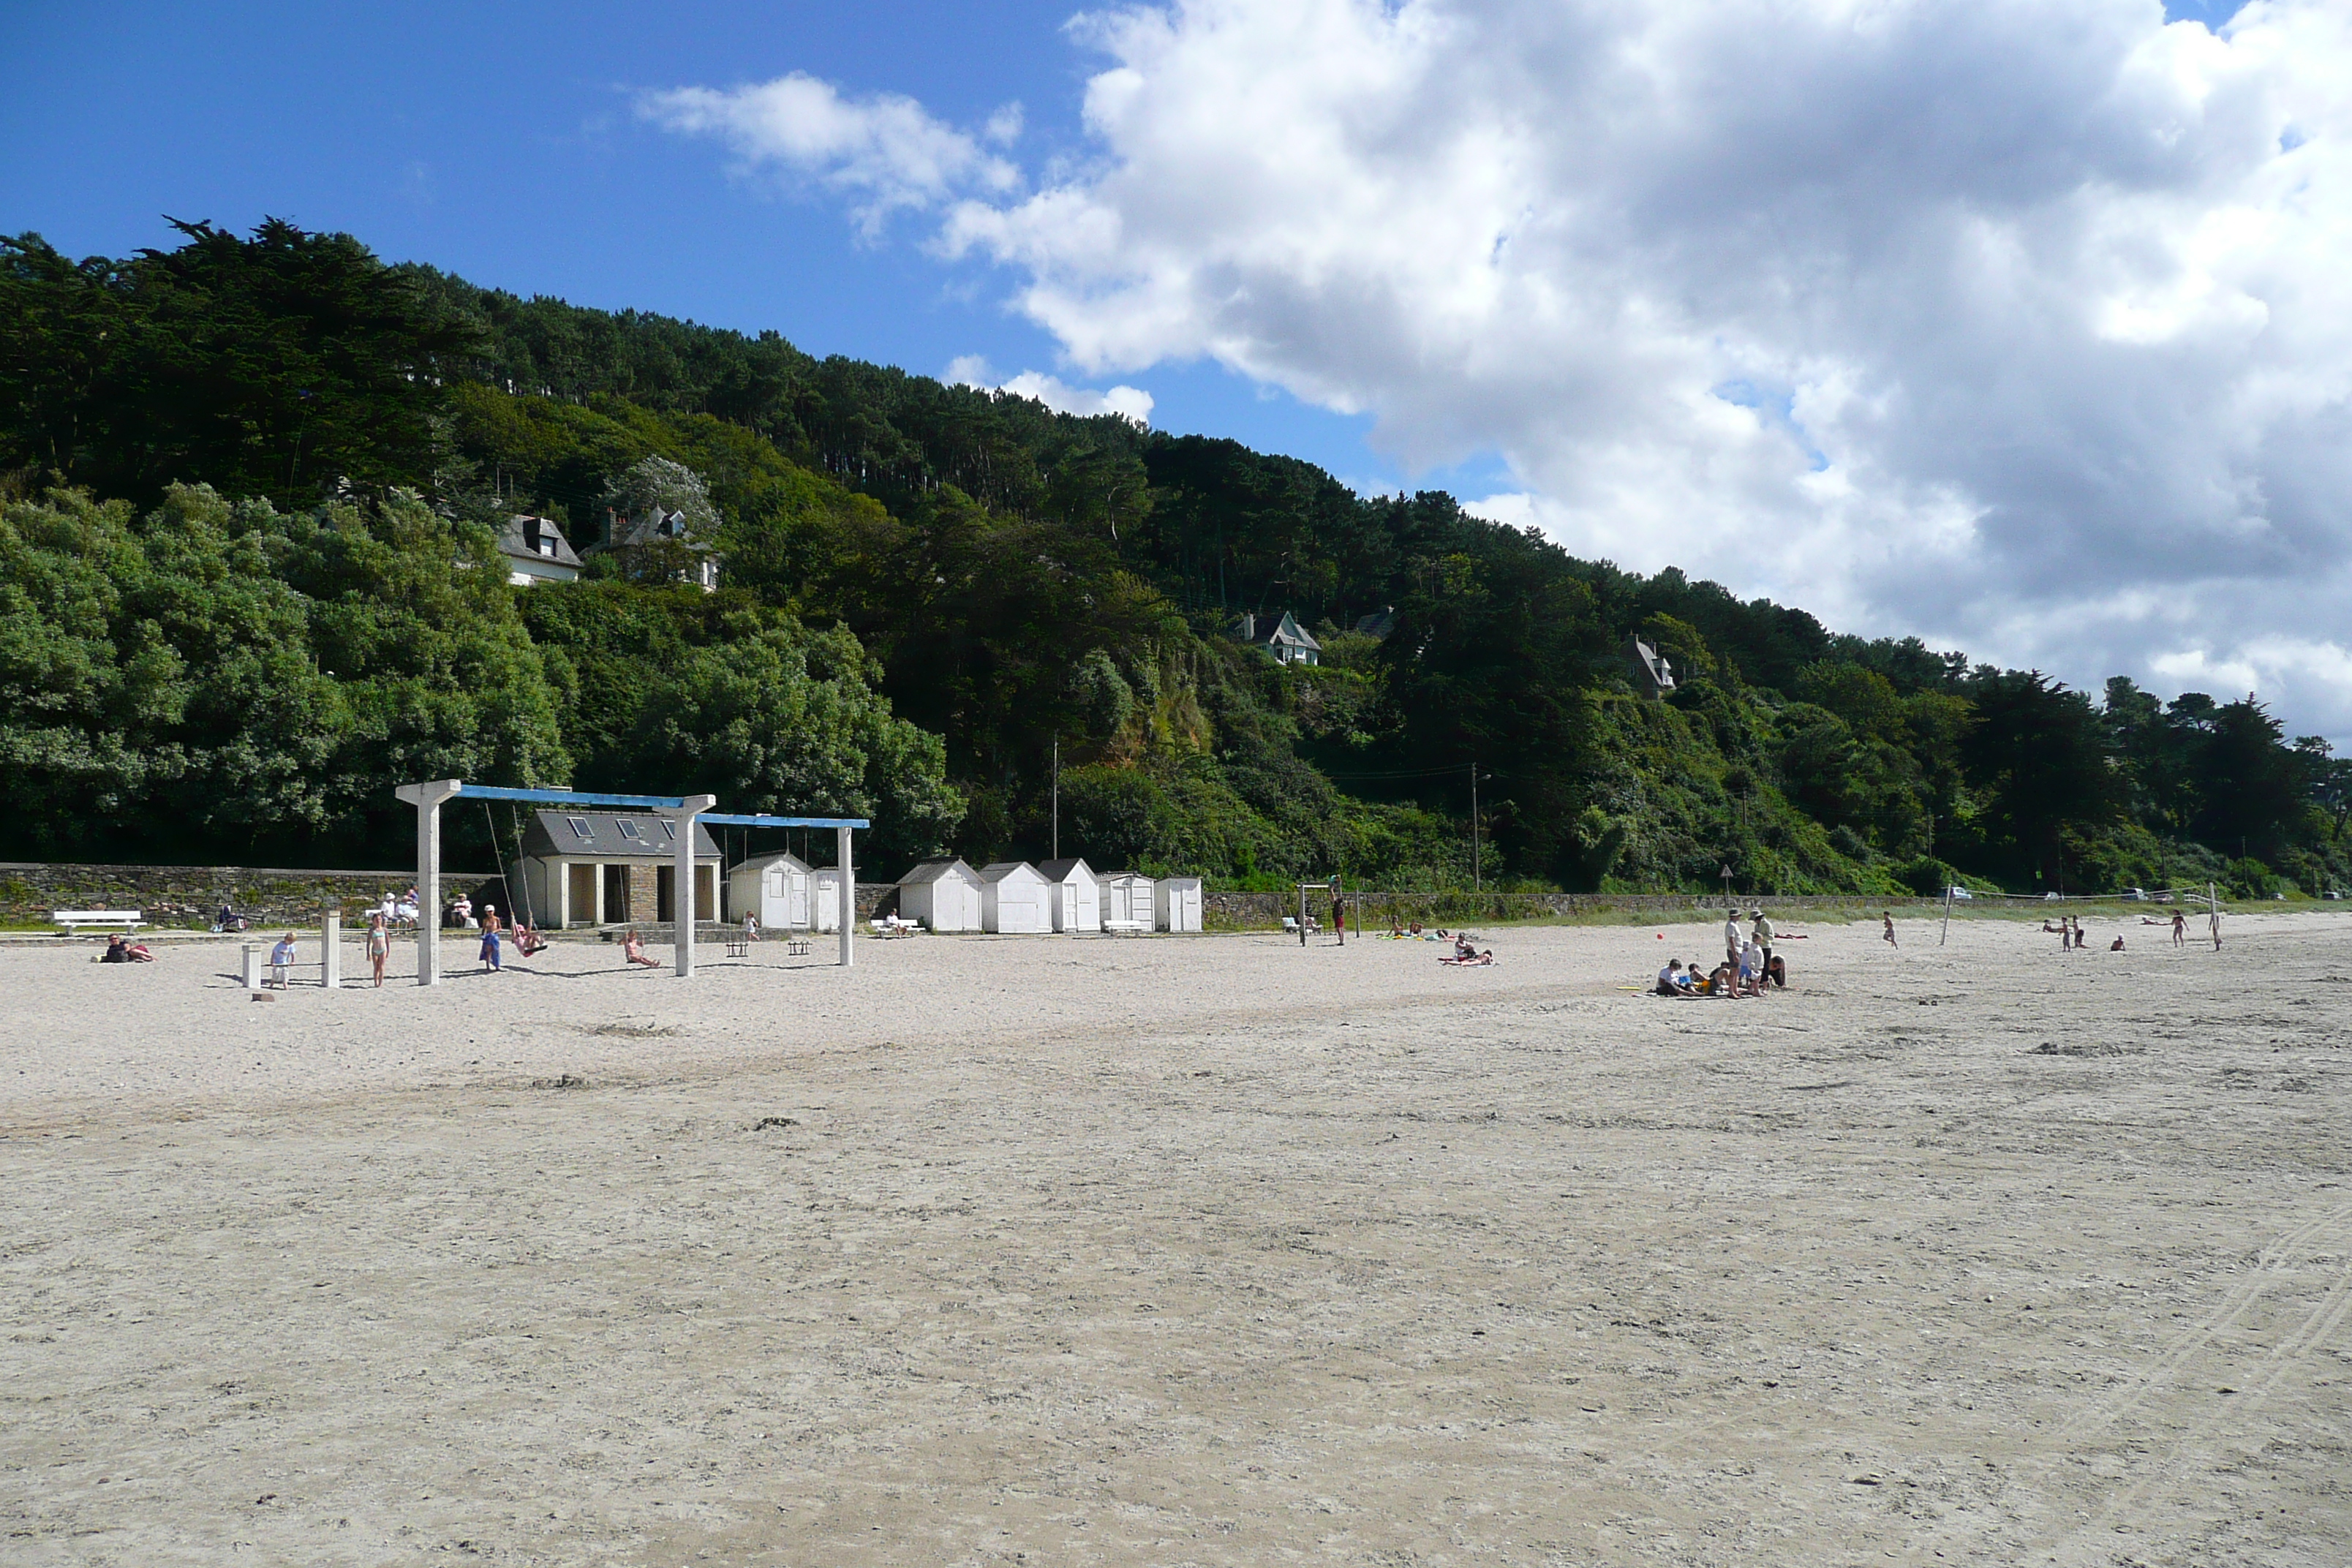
{"points": [[1672, 980], [1462, 946], [633, 948], [1723, 982], [1413, 930], [281, 959], [2116, 945], [1776, 970], [118, 949]]}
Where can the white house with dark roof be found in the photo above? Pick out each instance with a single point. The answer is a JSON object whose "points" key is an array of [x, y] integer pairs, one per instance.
{"points": [[1014, 899], [1282, 637], [943, 895], [1074, 894], [603, 868], [537, 552]]}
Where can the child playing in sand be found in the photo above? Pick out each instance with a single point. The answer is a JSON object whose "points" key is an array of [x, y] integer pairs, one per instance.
{"points": [[281, 959], [1889, 933]]}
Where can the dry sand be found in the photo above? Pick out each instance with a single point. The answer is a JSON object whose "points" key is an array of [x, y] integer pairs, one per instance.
{"points": [[1188, 1251]]}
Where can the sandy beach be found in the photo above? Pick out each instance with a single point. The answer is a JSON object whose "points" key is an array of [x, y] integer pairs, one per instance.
{"points": [[1188, 1250]]}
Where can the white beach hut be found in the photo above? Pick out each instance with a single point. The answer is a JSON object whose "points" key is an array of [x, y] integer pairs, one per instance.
{"points": [[1075, 900], [1126, 899], [774, 887], [1015, 898], [824, 900], [1176, 903], [944, 894]]}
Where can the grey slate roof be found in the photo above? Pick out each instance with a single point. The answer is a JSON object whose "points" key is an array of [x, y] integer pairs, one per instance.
{"points": [[997, 870], [610, 835], [933, 871], [1060, 870], [536, 538]]}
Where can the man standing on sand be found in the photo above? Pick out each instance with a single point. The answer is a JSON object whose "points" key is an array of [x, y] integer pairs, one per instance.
{"points": [[1732, 941], [1761, 934]]}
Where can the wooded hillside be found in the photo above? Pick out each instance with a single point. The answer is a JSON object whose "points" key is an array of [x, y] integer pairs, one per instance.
{"points": [[248, 581]]}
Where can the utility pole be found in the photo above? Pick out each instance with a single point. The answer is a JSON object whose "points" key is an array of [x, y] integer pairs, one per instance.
{"points": [[1477, 872], [1058, 797]]}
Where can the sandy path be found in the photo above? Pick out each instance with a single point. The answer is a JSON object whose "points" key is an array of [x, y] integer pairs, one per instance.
{"points": [[1176, 1252]]}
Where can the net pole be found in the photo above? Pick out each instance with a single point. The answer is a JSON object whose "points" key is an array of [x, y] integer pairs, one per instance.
{"points": [[1947, 916]]}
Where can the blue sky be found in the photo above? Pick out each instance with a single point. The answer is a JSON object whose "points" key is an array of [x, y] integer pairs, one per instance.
{"points": [[500, 143], [2016, 326]]}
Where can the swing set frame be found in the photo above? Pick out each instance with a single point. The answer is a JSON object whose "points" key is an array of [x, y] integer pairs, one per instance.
{"points": [[684, 811]]}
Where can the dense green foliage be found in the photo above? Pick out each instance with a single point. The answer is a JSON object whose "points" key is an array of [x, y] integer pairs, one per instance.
{"points": [[930, 595]]}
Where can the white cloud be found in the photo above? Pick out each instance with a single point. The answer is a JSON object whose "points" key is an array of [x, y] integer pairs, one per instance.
{"points": [[2025, 327], [885, 152], [1128, 402]]}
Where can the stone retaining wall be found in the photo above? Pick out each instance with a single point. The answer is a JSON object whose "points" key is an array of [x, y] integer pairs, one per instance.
{"points": [[189, 895]]}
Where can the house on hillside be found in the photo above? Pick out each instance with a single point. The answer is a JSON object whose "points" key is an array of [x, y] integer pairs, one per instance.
{"points": [[603, 868], [1652, 675], [537, 552], [658, 544], [1282, 637], [1379, 623]]}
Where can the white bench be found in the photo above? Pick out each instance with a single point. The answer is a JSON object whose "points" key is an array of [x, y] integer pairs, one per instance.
{"points": [[116, 920], [1125, 928]]}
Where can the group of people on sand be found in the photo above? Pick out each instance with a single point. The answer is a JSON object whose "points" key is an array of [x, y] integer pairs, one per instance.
{"points": [[2073, 938], [1750, 966]]}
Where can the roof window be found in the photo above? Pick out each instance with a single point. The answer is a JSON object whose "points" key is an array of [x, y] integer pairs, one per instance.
{"points": [[581, 828], [629, 829]]}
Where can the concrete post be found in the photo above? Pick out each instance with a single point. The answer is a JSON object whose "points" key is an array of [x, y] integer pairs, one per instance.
{"points": [[848, 894], [428, 798], [253, 966], [681, 900], [330, 946]]}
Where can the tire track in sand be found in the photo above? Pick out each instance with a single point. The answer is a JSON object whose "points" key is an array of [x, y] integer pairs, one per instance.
{"points": [[2316, 1328]]}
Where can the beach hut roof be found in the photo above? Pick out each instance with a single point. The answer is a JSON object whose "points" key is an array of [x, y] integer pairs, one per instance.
{"points": [[997, 870], [1066, 869], [609, 835], [933, 871], [779, 858]]}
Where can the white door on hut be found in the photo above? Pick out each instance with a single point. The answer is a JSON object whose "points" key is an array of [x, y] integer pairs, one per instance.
{"points": [[1076, 897]]}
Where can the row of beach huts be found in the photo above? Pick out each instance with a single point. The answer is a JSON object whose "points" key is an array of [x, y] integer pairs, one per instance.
{"points": [[1009, 897]]}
